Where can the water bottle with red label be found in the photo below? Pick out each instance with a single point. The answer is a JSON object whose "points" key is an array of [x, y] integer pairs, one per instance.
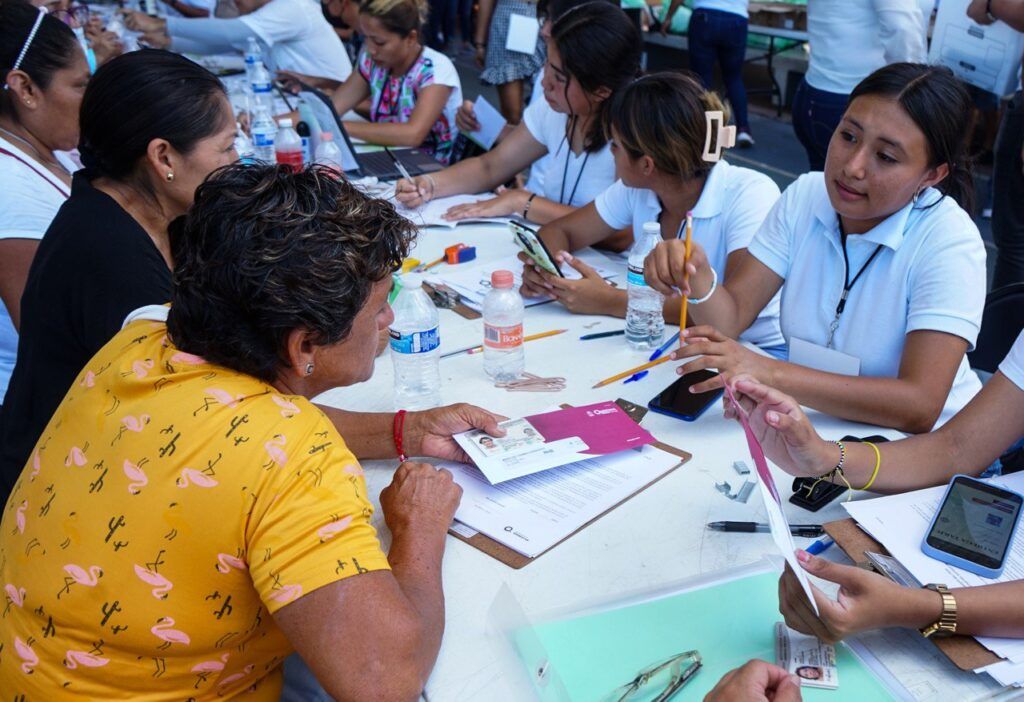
{"points": [[288, 146], [503, 328]]}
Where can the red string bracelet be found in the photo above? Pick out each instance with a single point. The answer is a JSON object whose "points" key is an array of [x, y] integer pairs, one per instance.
{"points": [[399, 424]]}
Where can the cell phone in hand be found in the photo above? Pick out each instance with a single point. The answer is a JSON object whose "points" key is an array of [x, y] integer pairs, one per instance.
{"points": [[677, 401], [532, 245]]}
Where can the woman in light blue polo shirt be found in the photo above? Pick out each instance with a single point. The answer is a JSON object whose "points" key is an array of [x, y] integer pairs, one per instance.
{"points": [[658, 130], [884, 271]]}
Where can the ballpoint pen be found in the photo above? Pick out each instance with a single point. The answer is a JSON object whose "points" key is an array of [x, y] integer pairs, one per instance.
{"points": [[602, 335], [809, 530], [398, 164], [654, 357], [820, 546]]}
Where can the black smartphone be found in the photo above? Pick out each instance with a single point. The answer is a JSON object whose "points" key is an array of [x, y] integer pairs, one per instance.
{"points": [[533, 246], [677, 401]]}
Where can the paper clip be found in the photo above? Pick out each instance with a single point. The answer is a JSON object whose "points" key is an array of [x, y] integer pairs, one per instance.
{"points": [[533, 383], [725, 136]]}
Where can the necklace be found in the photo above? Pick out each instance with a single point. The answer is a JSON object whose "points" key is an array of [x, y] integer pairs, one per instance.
{"points": [[50, 164]]}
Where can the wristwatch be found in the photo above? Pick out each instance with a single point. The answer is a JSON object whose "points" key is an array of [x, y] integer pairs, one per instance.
{"points": [[946, 624]]}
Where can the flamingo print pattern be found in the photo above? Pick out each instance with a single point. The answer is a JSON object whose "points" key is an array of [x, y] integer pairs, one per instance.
{"points": [[166, 465]]}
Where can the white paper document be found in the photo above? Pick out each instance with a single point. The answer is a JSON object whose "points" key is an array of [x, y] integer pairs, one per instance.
{"points": [[521, 451], [491, 123], [522, 34], [900, 522], [432, 213], [533, 513]]}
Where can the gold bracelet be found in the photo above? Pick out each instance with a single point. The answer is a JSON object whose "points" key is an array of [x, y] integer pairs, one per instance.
{"points": [[878, 464]]}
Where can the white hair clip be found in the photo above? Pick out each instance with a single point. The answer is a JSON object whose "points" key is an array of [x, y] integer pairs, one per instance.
{"points": [[28, 42], [725, 136]]}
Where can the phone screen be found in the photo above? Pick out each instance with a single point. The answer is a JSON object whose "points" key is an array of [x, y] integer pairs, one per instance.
{"points": [[975, 522], [678, 400], [532, 245]]}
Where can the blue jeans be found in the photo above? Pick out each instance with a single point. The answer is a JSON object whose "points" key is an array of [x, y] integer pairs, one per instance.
{"points": [[721, 36], [816, 114]]}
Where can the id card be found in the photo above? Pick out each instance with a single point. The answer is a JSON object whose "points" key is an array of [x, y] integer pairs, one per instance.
{"points": [[820, 358], [522, 34], [806, 657]]}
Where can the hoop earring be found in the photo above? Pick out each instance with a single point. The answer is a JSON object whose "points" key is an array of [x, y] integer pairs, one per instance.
{"points": [[917, 196], [309, 369]]}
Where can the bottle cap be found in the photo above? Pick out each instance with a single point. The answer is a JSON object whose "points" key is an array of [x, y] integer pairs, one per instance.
{"points": [[652, 228], [412, 281], [287, 122], [326, 136], [502, 280]]}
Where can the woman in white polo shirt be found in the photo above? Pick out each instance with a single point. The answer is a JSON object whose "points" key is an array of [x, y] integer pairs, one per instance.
{"points": [[884, 271], [593, 51], [658, 126], [295, 35]]}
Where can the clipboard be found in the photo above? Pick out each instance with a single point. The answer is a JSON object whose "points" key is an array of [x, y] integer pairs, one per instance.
{"points": [[460, 308], [514, 559], [964, 651]]}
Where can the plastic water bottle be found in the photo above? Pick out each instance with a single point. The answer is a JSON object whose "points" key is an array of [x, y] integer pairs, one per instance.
{"points": [[263, 131], [503, 312], [253, 55], [243, 146], [328, 154], [288, 146], [261, 88], [414, 347], [302, 129], [645, 322]]}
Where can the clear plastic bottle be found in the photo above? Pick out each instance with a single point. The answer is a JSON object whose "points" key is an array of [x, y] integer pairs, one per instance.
{"points": [[503, 313], [414, 347], [645, 321], [261, 88], [288, 146], [253, 55], [263, 132], [328, 154], [243, 146]]}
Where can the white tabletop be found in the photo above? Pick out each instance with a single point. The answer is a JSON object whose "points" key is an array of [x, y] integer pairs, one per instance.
{"points": [[656, 538]]}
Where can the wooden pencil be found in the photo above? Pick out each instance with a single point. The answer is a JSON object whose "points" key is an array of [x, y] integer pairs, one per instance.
{"points": [[686, 275], [631, 371]]}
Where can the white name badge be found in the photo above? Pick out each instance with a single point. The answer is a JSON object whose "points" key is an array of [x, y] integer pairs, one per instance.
{"points": [[522, 34], [820, 358]]}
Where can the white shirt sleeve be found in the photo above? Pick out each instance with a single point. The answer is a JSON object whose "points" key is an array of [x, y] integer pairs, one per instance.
{"points": [[752, 200], [773, 243], [28, 204], [900, 31], [935, 303], [535, 119], [278, 21], [615, 205], [1013, 365], [444, 72]]}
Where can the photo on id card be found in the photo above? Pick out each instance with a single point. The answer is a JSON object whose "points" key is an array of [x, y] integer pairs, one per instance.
{"points": [[519, 435], [806, 657]]}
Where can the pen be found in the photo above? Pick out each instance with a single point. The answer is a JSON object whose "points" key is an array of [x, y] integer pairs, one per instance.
{"points": [[654, 357], [820, 546], [398, 165], [808, 530], [602, 335]]}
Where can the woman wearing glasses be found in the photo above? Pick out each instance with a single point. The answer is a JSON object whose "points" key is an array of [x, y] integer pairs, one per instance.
{"points": [[44, 76], [414, 91]]}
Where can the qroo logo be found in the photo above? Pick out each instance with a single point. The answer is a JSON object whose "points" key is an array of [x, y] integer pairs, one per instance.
{"points": [[599, 412]]}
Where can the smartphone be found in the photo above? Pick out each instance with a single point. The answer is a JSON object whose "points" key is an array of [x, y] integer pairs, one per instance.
{"points": [[974, 526], [677, 401], [532, 246]]}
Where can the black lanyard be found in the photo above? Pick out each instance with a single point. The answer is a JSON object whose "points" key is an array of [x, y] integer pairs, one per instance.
{"points": [[565, 170], [848, 285]]}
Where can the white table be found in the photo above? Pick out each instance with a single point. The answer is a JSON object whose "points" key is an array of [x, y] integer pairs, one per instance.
{"points": [[656, 538]]}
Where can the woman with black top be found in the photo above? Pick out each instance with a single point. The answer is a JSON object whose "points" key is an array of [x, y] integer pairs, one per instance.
{"points": [[153, 126]]}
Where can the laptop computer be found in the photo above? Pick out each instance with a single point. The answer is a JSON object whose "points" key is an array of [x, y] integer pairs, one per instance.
{"points": [[380, 164]]}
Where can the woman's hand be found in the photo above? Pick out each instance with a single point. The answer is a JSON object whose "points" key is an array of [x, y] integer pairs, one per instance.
{"points": [[664, 269], [787, 436], [465, 118], [865, 601], [536, 282], [756, 681], [416, 192], [141, 22], [106, 45], [480, 56], [157, 39], [507, 203], [429, 433], [728, 356], [591, 294]]}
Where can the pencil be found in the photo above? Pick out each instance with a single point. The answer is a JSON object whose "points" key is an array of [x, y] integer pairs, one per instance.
{"points": [[686, 275], [469, 350], [631, 371], [427, 266]]}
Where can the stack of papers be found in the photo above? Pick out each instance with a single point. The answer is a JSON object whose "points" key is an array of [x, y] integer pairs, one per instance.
{"points": [[473, 280], [900, 522], [432, 213]]}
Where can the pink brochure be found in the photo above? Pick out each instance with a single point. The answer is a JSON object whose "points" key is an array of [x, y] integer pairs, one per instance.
{"points": [[604, 427]]}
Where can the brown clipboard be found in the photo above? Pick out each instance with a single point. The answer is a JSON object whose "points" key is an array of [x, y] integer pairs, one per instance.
{"points": [[516, 560], [460, 309], [964, 651]]}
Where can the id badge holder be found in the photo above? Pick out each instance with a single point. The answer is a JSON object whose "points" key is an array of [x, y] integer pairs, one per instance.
{"points": [[805, 353]]}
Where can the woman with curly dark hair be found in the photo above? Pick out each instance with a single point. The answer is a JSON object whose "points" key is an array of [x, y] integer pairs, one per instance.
{"points": [[192, 482]]}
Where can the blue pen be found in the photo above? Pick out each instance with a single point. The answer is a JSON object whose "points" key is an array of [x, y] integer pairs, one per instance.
{"points": [[654, 357], [820, 546]]}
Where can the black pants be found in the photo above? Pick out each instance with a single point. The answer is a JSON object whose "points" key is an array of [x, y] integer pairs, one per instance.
{"points": [[1008, 197]]}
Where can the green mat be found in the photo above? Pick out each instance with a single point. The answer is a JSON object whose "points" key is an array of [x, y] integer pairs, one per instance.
{"points": [[729, 623]]}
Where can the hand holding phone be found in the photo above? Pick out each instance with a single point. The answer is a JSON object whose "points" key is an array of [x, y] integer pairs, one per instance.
{"points": [[677, 401], [532, 245]]}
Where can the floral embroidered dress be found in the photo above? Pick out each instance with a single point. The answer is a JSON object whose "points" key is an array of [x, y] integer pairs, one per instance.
{"points": [[393, 98], [170, 508]]}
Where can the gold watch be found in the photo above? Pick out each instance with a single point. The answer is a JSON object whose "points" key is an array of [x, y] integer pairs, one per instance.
{"points": [[946, 624]]}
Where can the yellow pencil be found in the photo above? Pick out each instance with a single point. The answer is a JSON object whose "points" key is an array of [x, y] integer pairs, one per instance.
{"points": [[631, 371], [686, 275], [469, 350]]}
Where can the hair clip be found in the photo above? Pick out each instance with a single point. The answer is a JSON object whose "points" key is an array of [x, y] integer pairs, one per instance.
{"points": [[28, 42], [725, 136]]}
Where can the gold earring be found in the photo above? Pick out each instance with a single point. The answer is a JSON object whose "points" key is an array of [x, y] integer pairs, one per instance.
{"points": [[170, 176]]}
